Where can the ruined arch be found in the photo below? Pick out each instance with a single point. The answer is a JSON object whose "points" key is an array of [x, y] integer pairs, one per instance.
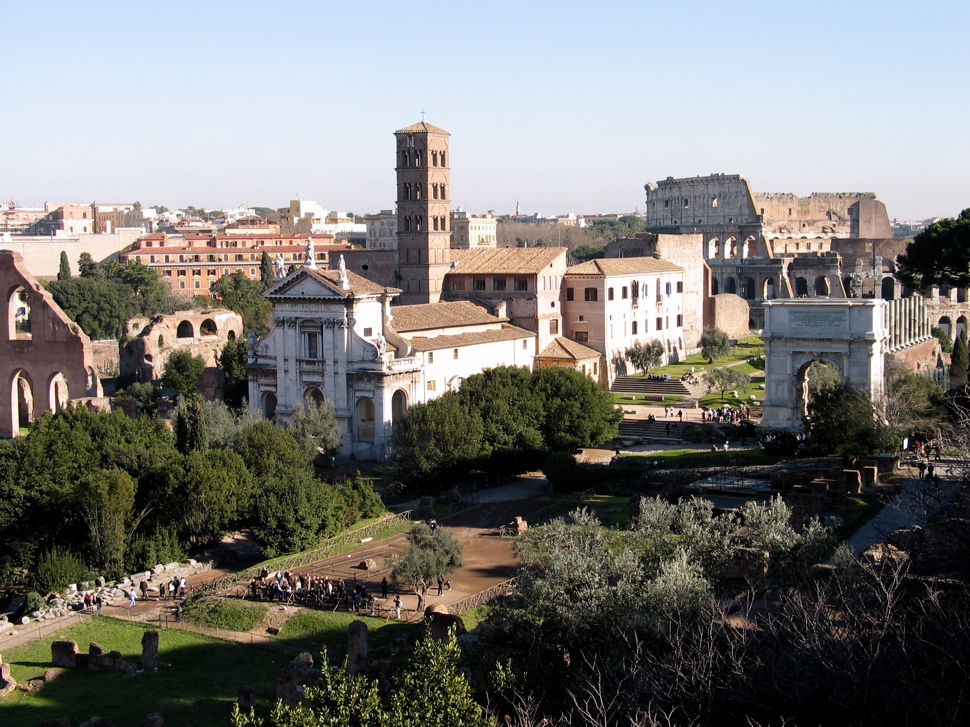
{"points": [[715, 286], [731, 286], [947, 325], [58, 392], [888, 288], [748, 247], [185, 330], [365, 419], [822, 286], [749, 288], [768, 289], [731, 248], [18, 313], [22, 400], [961, 325], [801, 287], [208, 328], [714, 248]]}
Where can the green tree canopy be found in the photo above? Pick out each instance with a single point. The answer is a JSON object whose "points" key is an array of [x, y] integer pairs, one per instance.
{"points": [[315, 426], [646, 355], [435, 438], [232, 361], [86, 266], [64, 267], [509, 409], [577, 412], [182, 372], [245, 296], [266, 273], [727, 377], [842, 420], [430, 553], [715, 344], [939, 255]]}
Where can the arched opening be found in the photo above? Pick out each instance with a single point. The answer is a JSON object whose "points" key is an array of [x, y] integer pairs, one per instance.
{"points": [[961, 325], [185, 330], [231, 335], [161, 341], [715, 286], [18, 314], [208, 328], [58, 395], [313, 395], [947, 325], [730, 286], [801, 287], [888, 289], [22, 393], [747, 248], [269, 405], [821, 285], [814, 377], [365, 420], [714, 248], [399, 405], [730, 248], [769, 288], [749, 288]]}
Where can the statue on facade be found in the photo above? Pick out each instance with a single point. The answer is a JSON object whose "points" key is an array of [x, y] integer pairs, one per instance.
{"points": [[279, 267], [252, 345], [380, 343], [308, 258]]}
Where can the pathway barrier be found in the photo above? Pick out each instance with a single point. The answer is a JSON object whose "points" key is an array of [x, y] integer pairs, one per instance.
{"points": [[39, 629], [504, 588], [558, 509]]}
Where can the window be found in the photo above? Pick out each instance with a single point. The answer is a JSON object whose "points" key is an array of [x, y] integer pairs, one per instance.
{"points": [[458, 284], [498, 284], [633, 330], [686, 203], [714, 202], [582, 336], [554, 326], [211, 273], [478, 284], [569, 293], [609, 293], [182, 285], [455, 355], [430, 357], [680, 286], [368, 332], [198, 284], [660, 323], [525, 343], [668, 288], [196, 273], [680, 321], [431, 386], [312, 344], [522, 285], [592, 295], [181, 273], [624, 292]]}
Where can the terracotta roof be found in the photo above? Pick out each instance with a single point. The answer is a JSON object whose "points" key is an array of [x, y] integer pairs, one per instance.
{"points": [[623, 266], [505, 333], [422, 127], [565, 348], [358, 284], [505, 260], [440, 315]]}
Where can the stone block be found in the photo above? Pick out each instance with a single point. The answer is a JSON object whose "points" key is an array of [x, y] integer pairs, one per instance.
{"points": [[169, 567], [96, 649], [293, 677], [53, 673], [438, 625], [356, 647], [149, 649], [99, 582], [64, 653], [156, 569]]}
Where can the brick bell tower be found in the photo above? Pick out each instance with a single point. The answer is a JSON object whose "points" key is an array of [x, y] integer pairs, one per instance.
{"points": [[423, 212]]}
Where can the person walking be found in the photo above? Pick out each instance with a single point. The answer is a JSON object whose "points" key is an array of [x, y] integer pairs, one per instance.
{"points": [[441, 584], [131, 599], [397, 605], [384, 588], [98, 603]]}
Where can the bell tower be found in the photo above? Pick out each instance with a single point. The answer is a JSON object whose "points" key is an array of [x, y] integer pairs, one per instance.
{"points": [[423, 212]]}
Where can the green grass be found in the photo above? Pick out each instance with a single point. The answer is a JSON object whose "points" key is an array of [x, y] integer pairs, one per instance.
{"points": [[196, 683], [751, 347], [689, 458], [611, 510], [474, 616], [329, 629], [857, 511], [226, 613]]}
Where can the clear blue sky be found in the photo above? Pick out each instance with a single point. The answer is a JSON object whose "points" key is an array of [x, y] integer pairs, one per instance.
{"points": [[563, 106]]}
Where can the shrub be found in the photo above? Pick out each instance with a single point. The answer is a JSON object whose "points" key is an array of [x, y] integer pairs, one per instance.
{"points": [[225, 613], [58, 567], [161, 546]]}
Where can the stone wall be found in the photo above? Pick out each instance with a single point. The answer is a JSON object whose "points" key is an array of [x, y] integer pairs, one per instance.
{"points": [[925, 356], [730, 313]]}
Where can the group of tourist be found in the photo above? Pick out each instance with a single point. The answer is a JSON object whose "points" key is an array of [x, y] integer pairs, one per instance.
{"points": [[726, 414], [173, 589], [309, 590]]}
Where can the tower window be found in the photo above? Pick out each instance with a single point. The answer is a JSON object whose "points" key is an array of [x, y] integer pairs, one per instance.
{"points": [[522, 284], [569, 293], [554, 326]]}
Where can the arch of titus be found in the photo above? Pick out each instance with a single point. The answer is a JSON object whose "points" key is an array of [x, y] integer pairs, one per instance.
{"points": [[850, 334]]}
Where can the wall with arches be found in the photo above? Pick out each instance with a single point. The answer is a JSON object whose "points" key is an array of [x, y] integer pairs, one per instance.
{"points": [[46, 360]]}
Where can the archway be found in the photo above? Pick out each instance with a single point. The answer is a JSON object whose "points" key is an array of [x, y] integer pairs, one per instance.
{"points": [[399, 406], [769, 289], [269, 405], [748, 248], [365, 419], [731, 248], [947, 325], [185, 330], [208, 328], [821, 286], [888, 288], [313, 395], [801, 287], [961, 326], [714, 248], [58, 394], [749, 288], [715, 286], [18, 313], [22, 398], [731, 286]]}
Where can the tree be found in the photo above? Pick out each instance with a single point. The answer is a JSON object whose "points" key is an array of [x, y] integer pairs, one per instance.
{"points": [[577, 412], [959, 361], [266, 272], [86, 266], [315, 426], [645, 356], [436, 438], [509, 409], [946, 342], [182, 372], [842, 420], [582, 253], [100, 307], [64, 268], [106, 499], [727, 377], [430, 553], [715, 344], [232, 361], [244, 296], [939, 255]]}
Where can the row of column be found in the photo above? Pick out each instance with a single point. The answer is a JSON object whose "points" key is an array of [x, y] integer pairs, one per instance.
{"points": [[907, 322]]}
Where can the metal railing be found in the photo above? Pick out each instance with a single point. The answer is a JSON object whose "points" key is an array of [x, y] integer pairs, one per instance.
{"points": [[474, 601], [39, 629]]}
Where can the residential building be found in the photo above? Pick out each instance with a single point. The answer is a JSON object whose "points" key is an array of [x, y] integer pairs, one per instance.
{"points": [[381, 230], [471, 232]]}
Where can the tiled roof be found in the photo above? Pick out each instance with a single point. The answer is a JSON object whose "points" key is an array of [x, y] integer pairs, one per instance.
{"points": [[505, 333], [422, 127], [623, 266], [565, 348], [440, 315], [358, 284], [505, 260]]}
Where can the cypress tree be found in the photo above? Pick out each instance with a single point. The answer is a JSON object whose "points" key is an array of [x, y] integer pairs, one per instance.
{"points": [[960, 361], [266, 273], [64, 269]]}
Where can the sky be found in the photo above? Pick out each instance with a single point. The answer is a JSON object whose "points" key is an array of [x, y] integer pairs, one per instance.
{"points": [[558, 106]]}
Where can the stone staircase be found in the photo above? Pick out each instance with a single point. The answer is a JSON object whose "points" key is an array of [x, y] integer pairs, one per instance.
{"points": [[637, 429], [654, 388]]}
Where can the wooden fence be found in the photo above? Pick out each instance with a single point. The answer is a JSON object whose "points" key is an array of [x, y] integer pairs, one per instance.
{"points": [[38, 629], [467, 604]]}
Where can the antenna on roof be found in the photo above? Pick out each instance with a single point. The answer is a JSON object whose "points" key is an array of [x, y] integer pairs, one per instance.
{"points": [[422, 113]]}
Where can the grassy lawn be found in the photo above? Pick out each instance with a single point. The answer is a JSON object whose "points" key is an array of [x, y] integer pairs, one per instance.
{"points": [[857, 510], [612, 511], [329, 629], [751, 347], [196, 683], [689, 458]]}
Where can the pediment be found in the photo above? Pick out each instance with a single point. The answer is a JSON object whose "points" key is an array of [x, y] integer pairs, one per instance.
{"points": [[304, 284]]}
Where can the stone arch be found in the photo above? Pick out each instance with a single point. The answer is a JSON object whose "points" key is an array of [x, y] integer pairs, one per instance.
{"points": [[185, 330], [365, 419], [768, 289], [58, 392], [18, 313], [961, 326], [399, 406], [21, 399], [731, 286], [715, 286], [748, 247], [230, 335], [208, 328], [313, 395], [822, 286], [730, 248], [748, 288], [714, 248], [802, 398], [947, 325], [454, 383], [269, 405], [801, 287], [888, 288]]}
